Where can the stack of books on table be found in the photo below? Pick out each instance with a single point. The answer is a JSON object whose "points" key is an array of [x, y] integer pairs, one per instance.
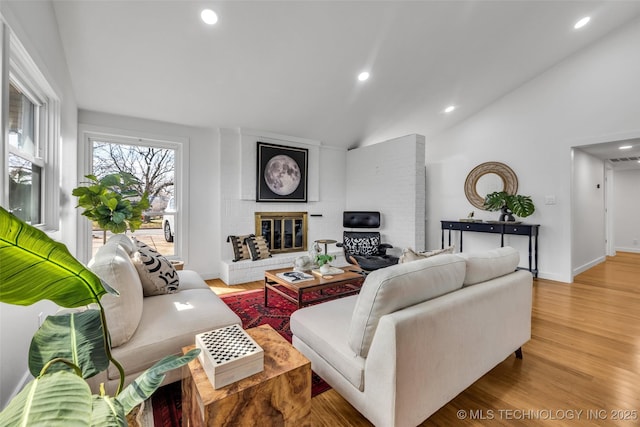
{"points": [[295, 276]]}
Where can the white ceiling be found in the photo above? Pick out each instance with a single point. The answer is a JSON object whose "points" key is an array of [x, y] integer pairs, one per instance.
{"points": [[290, 67]]}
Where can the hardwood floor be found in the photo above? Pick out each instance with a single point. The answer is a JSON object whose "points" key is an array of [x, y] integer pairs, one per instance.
{"points": [[581, 367]]}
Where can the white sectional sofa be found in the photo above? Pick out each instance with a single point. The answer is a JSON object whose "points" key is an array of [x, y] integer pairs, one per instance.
{"points": [[145, 329], [419, 333]]}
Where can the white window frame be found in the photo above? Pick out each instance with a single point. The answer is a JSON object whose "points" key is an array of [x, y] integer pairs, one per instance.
{"points": [[20, 70], [90, 133]]}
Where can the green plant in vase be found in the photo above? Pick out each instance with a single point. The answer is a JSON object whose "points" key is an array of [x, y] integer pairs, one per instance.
{"points": [[323, 259], [509, 204], [68, 347], [113, 202]]}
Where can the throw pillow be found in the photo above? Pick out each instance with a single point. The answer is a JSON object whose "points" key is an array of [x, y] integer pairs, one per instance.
{"points": [[483, 266], [409, 254], [258, 247], [124, 241], [363, 246], [240, 249], [157, 274], [113, 264]]}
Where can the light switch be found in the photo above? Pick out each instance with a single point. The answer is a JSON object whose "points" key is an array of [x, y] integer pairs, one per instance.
{"points": [[549, 200]]}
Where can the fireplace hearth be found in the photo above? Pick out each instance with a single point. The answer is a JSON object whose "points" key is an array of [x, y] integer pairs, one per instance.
{"points": [[283, 231]]}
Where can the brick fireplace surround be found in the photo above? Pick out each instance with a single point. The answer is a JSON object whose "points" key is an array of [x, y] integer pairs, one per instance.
{"points": [[287, 234]]}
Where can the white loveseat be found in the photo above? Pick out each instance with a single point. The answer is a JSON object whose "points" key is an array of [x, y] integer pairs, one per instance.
{"points": [[145, 329], [419, 333]]}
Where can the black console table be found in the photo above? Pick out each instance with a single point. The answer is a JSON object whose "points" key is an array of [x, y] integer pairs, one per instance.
{"points": [[530, 230]]}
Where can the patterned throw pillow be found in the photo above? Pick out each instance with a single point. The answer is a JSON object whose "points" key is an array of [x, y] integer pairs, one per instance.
{"points": [[240, 249], [362, 246], [258, 247], [157, 274], [409, 254]]}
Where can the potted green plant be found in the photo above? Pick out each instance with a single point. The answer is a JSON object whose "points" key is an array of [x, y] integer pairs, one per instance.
{"points": [[509, 204], [323, 261], [113, 201], [68, 347]]}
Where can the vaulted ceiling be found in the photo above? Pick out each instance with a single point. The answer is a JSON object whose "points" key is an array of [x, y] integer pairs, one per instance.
{"points": [[290, 67]]}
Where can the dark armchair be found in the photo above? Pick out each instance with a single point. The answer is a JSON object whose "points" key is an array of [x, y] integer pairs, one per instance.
{"points": [[364, 248]]}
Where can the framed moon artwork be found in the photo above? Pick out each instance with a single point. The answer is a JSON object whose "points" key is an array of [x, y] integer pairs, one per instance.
{"points": [[282, 173]]}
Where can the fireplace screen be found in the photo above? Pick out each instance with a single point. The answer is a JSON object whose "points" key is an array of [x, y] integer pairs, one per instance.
{"points": [[283, 231]]}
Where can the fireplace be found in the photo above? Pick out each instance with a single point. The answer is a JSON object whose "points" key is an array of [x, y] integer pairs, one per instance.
{"points": [[283, 231]]}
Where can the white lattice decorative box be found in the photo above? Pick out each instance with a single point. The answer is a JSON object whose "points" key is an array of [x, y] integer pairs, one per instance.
{"points": [[228, 355]]}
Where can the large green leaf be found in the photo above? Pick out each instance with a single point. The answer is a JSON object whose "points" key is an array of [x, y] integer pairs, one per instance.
{"points": [[495, 201], [35, 268], [107, 412], [148, 382], [59, 399], [521, 206], [78, 337]]}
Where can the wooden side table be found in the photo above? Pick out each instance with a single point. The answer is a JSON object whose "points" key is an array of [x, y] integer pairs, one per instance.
{"points": [[278, 396]]}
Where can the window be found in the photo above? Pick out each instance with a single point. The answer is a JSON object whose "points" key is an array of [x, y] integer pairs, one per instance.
{"points": [[159, 160], [24, 159], [154, 166], [30, 138]]}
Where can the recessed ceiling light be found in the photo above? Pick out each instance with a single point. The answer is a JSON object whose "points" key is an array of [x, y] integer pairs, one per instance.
{"points": [[209, 16], [581, 23], [625, 147], [450, 108], [363, 76]]}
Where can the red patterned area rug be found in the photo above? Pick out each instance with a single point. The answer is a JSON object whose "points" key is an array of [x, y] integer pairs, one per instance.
{"points": [[166, 403], [249, 306]]}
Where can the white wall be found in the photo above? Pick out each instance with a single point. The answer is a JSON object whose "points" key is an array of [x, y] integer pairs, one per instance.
{"points": [[626, 195], [35, 26], [588, 192], [390, 177], [201, 189], [237, 178], [587, 98]]}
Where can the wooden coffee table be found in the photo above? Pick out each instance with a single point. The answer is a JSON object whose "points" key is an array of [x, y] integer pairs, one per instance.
{"points": [[280, 395], [351, 280]]}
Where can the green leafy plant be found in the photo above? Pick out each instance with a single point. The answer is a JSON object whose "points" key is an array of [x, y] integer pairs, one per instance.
{"points": [[323, 259], [515, 204], [68, 347], [113, 202]]}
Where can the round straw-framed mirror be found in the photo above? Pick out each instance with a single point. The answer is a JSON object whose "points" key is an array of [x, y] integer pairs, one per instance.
{"points": [[487, 178]]}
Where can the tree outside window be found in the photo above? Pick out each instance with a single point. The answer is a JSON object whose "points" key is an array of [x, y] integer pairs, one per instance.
{"points": [[155, 169]]}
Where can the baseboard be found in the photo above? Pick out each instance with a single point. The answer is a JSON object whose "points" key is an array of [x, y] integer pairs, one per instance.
{"points": [[623, 249], [588, 265], [554, 277], [209, 276]]}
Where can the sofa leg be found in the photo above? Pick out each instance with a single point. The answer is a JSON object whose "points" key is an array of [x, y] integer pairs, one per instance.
{"points": [[519, 353]]}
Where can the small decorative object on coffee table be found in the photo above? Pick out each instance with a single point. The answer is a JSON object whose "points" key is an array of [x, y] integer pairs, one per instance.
{"points": [[280, 395]]}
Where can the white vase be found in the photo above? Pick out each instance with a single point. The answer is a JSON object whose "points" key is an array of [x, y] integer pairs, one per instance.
{"points": [[325, 268]]}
